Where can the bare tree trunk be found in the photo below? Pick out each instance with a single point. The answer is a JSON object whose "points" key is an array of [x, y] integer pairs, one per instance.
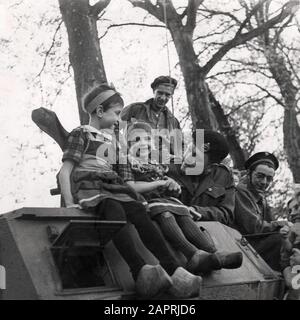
{"points": [[291, 129], [237, 154], [206, 111], [196, 88], [84, 48]]}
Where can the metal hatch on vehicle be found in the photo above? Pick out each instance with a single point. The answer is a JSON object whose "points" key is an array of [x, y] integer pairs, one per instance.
{"points": [[78, 256]]}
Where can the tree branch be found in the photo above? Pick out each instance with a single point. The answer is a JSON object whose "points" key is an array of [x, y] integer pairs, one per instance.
{"points": [[214, 32], [164, 10], [191, 12], [225, 13], [291, 65], [15, 4], [98, 7], [50, 48], [235, 71], [156, 11], [131, 24], [255, 9], [280, 30], [267, 92], [244, 104], [244, 37]]}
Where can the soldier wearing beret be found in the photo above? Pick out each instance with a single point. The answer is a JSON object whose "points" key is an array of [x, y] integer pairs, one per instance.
{"points": [[210, 194], [253, 216], [154, 110]]}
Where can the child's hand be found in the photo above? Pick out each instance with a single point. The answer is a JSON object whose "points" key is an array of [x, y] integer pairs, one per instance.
{"points": [[172, 186], [197, 216], [161, 183]]}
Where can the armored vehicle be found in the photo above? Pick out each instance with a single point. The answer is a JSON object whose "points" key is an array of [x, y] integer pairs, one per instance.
{"points": [[60, 253]]}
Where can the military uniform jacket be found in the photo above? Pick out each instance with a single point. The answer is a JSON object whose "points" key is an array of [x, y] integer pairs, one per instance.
{"points": [[212, 193], [252, 213], [142, 111]]}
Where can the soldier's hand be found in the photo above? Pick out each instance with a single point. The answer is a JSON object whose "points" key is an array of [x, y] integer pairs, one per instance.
{"points": [[284, 231]]}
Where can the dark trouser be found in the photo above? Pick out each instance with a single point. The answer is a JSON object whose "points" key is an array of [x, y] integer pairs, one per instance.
{"points": [[151, 237], [269, 248]]}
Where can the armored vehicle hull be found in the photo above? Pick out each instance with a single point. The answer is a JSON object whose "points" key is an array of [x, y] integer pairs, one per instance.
{"points": [[59, 253]]}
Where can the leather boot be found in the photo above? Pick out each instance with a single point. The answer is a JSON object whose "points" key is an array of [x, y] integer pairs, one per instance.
{"points": [[151, 281], [185, 284]]}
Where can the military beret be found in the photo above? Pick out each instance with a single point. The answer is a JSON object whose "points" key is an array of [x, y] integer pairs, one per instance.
{"points": [[215, 144], [165, 80], [262, 157]]}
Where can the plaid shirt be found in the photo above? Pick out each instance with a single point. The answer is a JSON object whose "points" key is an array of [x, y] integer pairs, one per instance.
{"points": [[125, 172], [75, 146], [141, 172]]}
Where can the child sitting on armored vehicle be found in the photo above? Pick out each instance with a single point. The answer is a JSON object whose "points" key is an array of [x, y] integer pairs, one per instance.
{"points": [[149, 177], [87, 179]]}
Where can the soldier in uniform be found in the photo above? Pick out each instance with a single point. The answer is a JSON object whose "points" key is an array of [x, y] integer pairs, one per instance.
{"points": [[253, 216], [154, 111], [211, 193]]}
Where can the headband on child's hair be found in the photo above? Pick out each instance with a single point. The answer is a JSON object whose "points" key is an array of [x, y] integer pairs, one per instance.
{"points": [[99, 99]]}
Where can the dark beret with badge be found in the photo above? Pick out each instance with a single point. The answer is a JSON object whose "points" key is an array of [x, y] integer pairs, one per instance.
{"points": [[164, 80], [262, 158], [215, 145]]}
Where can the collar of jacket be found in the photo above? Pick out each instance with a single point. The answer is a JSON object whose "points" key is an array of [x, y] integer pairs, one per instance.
{"points": [[204, 181], [149, 103], [248, 187], [258, 199]]}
